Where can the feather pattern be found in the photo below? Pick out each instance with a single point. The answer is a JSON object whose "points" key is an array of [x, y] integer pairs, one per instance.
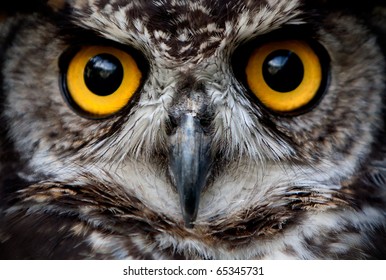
{"points": [[305, 186]]}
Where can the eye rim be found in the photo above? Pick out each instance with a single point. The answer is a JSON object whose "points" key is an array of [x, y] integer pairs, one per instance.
{"points": [[64, 63], [242, 53]]}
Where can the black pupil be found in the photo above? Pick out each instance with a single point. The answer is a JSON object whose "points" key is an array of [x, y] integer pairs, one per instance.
{"points": [[103, 74], [283, 71]]}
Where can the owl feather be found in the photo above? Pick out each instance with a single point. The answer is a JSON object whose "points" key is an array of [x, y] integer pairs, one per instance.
{"points": [[198, 162]]}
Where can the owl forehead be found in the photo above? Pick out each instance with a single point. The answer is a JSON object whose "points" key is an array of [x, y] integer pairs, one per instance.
{"points": [[183, 30]]}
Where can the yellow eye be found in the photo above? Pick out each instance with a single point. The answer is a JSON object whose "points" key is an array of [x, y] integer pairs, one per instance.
{"points": [[100, 80], [284, 75]]}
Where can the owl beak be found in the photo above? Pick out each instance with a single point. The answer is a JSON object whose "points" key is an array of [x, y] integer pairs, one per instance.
{"points": [[190, 162]]}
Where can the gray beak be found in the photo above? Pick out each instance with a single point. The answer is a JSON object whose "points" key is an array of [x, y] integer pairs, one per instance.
{"points": [[190, 163]]}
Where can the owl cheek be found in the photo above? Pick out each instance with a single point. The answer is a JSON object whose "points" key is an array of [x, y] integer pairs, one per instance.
{"points": [[190, 163]]}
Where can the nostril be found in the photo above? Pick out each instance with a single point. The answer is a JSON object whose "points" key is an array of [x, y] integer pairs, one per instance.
{"points": [[171, 124], [205, 122]]}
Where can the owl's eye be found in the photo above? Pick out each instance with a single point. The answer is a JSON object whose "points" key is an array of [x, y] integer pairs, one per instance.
{"points": [[285, 75], [100, 80]]}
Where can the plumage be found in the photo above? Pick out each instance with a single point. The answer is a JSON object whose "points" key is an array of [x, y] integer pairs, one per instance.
{"points": [[196, 165]]}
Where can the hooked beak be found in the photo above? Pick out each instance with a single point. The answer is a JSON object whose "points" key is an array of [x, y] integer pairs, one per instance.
{"points": [[190, 163]]}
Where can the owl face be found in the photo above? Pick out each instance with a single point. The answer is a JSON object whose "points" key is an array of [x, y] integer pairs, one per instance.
{"points": [[231, 120]]}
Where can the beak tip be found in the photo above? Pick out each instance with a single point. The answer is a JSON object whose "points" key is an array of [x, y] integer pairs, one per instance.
{"points": [[189, 214], [189, 225], [189, 221]]}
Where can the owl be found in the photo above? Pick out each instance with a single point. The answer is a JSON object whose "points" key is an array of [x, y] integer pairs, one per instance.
{"points": [[208, 129]]}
